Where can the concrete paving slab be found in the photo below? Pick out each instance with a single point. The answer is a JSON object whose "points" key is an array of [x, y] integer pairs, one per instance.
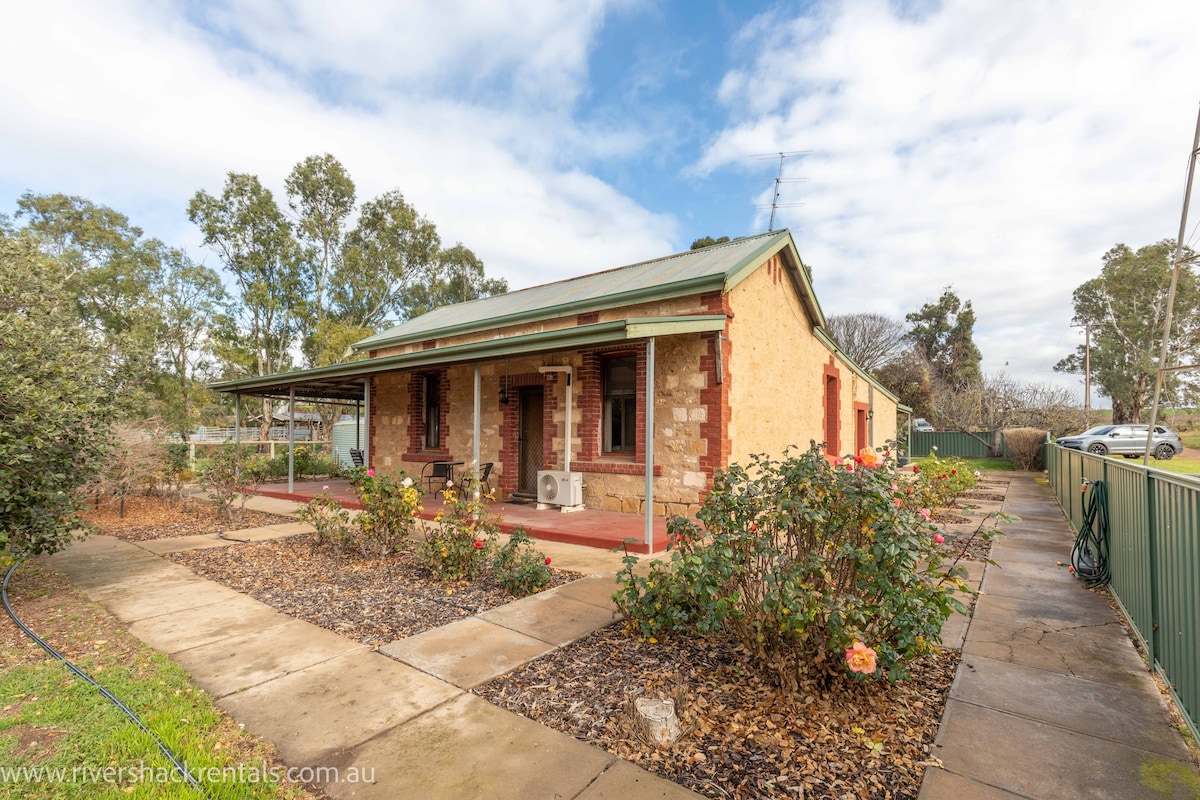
{"points": [[596, 589], [1083, 705], [243, 662], [467, 653], [1024, 578], [272, 505], [103, 560], [132, 602], [954, 630], [577, 558], [1054, 607], [939, 784], [180, 544], [994, 748], [1098, 653], [470, 748], [625, 781], [336, 705], [551, 618], [267, 532], [196, 627]]}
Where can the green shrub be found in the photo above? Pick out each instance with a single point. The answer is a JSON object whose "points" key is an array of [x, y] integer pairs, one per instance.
{"points": [[229, 478], [391, 512], [801, 559], [520, 569], [332, 522], [460, 546]]}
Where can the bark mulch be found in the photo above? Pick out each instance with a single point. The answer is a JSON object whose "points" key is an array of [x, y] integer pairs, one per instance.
{"points": [[370, 600], [743, 738], [156, 518]]}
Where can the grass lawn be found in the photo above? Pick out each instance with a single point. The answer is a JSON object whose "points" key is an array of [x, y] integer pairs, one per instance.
{"points": [[59, 738], [1182, 466], [981, 464], [1190, 439]]}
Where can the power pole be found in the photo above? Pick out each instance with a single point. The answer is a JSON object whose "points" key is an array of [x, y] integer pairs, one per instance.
{"points": [[1178, 262], [1087, 373]]}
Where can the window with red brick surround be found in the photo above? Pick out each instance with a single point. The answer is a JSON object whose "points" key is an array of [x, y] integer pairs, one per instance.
{"points": [[428, 413], [832, 406], [861, 411]]}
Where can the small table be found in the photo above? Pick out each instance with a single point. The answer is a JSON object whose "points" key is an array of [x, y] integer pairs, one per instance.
{"points": [[443, 470]]}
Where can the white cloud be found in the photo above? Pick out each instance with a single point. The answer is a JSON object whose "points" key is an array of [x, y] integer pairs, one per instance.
{"points": [[128, 104], [1002, 149]]}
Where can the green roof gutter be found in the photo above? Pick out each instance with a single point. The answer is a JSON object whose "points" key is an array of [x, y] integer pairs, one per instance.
{"points": [[563, 339]]}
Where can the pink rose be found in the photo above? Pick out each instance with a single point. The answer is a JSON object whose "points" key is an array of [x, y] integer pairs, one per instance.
{"points": [[937, 537]]}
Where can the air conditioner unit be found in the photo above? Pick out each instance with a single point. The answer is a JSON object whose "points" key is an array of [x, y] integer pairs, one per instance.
{"points": [[560, 488]]}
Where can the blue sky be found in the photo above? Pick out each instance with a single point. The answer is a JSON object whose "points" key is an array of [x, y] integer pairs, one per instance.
{"points": [[994, 146]]}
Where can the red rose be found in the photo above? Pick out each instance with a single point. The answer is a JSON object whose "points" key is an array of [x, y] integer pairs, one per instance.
{"points": [[547, 559], [478, 544]]}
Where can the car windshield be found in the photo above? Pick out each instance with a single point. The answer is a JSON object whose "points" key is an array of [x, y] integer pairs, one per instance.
{"points": [[1099, 430]]}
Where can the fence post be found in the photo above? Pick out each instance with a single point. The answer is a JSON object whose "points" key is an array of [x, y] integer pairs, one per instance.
{"points": [[192, 456], [1152, 556]]}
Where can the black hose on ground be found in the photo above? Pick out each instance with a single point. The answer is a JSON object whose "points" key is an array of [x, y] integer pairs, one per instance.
{"points": [[1089, 556], [162, 746]]}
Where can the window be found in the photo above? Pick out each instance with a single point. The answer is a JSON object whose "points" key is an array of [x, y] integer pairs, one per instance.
{"points": [[433, 411], [620, 405]]}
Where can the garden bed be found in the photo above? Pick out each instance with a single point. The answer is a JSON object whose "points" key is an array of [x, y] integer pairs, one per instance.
{"points": [[149, 518], [370, 600], [743, 737]]}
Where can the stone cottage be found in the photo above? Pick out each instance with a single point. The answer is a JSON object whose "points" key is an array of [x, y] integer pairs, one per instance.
{"points": [[639, 381]]}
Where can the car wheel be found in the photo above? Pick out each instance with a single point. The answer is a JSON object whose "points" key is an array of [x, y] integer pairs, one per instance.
{"points": [[1098, 448], [1164, 452]]}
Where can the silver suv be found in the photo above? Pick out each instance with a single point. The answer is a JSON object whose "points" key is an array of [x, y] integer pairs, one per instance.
{"points": [[1125, 440]]}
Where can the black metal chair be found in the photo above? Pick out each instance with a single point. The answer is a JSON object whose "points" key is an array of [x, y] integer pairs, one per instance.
{"points": [[356, 457], [435, 471], [485, 472]]}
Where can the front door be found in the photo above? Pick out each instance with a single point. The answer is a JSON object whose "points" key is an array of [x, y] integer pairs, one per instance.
{"points": [[530, 439]]}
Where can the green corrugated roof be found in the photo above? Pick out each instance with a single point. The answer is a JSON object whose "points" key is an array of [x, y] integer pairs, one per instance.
{"points": [[671, 276]]}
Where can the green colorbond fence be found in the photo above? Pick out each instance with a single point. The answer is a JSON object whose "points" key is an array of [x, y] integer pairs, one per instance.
{"points": [[962, 444], [1154, 557]]}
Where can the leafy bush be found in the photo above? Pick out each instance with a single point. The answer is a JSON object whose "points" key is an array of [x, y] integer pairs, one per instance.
{"points": [[391, 512], [229, 478], [460, 546], [57, 403], [938, 482], [802, 560], [1026, 446], [332, 522], [520, 569]]}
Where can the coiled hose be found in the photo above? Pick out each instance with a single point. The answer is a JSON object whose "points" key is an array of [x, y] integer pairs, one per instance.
{"points": [[162, 747], [1089, 557]]}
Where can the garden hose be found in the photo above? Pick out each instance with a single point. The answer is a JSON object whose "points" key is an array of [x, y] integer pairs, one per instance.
{"points": [[162, 747], [1089, 557]]}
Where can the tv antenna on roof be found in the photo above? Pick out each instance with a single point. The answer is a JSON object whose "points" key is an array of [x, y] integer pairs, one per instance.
{"points": [[779, 180]]}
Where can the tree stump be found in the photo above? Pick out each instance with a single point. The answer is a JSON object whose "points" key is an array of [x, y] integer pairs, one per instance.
{"points": [[656, 721]]}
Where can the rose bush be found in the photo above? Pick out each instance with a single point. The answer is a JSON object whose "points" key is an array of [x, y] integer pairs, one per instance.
{"points": [[800, 559]]}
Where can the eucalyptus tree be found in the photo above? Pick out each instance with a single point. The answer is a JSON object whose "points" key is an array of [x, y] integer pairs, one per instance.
{"points": [[256, 245], [1124, 308]]}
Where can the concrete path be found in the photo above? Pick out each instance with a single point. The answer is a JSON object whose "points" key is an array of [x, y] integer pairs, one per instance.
{"points": [[1051, 700], [397, 722]]}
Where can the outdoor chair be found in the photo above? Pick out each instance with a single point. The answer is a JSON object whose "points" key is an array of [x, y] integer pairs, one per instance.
{"points": [[485, 472], [435, 472], [356, 457]]}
